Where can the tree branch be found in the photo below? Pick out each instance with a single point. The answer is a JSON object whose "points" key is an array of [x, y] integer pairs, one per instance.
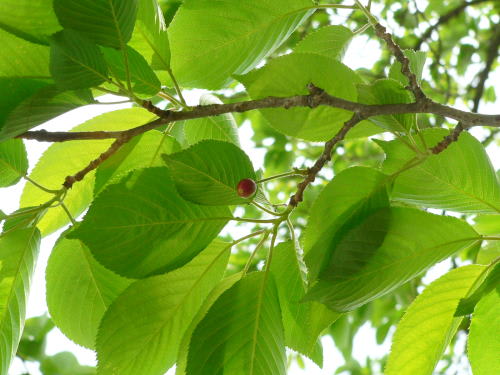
{"points": [[413, 85], [115, 146], [492, 55], [317, 97], [324, 158], [444, 19]]}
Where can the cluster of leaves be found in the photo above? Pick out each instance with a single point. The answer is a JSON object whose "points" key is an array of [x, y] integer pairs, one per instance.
{"points": [[146, 280]]}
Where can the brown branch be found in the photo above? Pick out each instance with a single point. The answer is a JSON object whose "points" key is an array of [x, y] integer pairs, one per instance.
{"points": [[324, 158], [413, 85], [452, 137], [115, 146], [314, 99], [492, 55], [444, 19]]}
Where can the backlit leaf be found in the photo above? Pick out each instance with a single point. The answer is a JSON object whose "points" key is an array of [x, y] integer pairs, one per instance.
{"points": [[76, 62], [417, 62], [229, 37], [141, 226], [152, 315], [289, 75], [45, 104], [20, 58], [329, 41], [428, 325], [79, 290], [66, 158], [106, 22], [414, 240], [150, 36], [484, 341], [13, 161], [388, 91], [303, 321], [145, 83], [242, 332], [461, 178], [141, 152], [339, 208], [208, 172], [18, 254], [28, 19], [222, 128]]}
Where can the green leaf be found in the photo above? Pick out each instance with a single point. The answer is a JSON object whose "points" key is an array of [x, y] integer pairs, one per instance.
{"points": [[417, 62], [145, 83], [66, 158], [28, 19], [484, 341], [141, 152], [414, 240], [303, 322], [208, 172], [461, 178], [34, 338], [388, 91], [487, 282], [76, 62], [487, 224], [339, 208], [24, 217], [150, 37], [489, 252], [289, 75], [79, 290], [214, 295], [152, 315], [230, 37], [242, 332], [18, 253], [428, 325], [44, 105], [13, 161], [328, 41], [64, 363], [20, 58], [141, 226], [13, 91], [107, 22], [222, 128]]}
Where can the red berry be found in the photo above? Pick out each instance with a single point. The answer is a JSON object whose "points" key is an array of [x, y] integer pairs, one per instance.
{"points": [[246, 188]]}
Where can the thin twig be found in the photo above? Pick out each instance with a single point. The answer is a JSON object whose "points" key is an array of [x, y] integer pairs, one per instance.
{"points": [[115, 146], [413, 85], [452, 137], [492, 55], [325, 156], [444, 19]]}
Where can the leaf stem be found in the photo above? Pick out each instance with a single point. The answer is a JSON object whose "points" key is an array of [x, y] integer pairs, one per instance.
{"points": [[177, 88], [63, 206], [170, 98], [257, 247], [295, 172], [291, 229], [40, 186], [265, 209]]}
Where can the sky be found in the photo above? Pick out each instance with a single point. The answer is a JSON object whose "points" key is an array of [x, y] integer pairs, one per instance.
{"points": [[361, 53]]}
